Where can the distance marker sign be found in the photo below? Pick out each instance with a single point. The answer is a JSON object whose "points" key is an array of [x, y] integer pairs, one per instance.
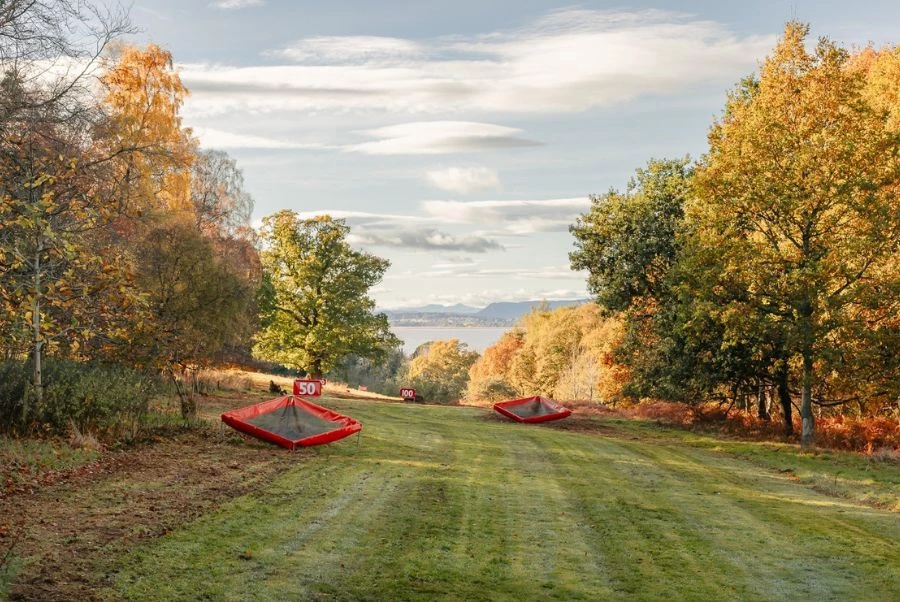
{"points": [[309, 388], [408, 393]]}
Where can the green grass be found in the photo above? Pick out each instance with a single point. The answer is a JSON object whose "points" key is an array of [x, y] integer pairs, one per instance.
{"points": [[440, 502], [27, 456], [863, 479]]}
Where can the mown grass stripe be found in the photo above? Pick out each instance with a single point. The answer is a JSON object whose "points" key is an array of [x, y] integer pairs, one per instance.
{"points": [[441, 502]]}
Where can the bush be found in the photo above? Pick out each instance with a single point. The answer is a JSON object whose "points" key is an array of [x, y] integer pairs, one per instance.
{"points": [[106, 400], [846, 433], [489, 390]]}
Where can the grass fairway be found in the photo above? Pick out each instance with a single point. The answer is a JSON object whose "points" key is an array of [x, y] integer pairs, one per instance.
{"points": [[450, 503]]}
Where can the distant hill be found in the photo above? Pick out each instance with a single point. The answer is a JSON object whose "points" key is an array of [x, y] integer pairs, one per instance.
{"points": [[458, 308], [418, 318], [495, 314], [513, 311]]}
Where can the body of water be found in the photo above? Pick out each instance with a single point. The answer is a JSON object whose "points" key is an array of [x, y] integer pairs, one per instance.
{"points": [[476, 337]]}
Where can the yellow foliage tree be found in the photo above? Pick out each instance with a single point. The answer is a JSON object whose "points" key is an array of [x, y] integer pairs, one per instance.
{"points": [[881, 70], [797, 199], [442, 371], [566, 353], [144, 95]]}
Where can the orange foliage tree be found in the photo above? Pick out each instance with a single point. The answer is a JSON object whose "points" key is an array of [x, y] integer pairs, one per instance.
{"points": [[566, 353], [797, 198], [144, 95]]}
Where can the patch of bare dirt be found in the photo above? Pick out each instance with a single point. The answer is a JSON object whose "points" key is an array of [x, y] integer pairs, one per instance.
{"points": [[73, 524]]}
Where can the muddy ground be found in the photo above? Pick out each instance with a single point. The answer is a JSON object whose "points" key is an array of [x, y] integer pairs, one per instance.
{"points": [[71, 525]]}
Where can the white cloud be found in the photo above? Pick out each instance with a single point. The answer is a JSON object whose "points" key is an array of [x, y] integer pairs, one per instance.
{"points": [[214, 138], [406, 232], [568, 61], [440, 137], [493, 218], [235, 4], [341, 49], [552, 272], [464, 179], [423, 239], [365, 217], [515, 217]]}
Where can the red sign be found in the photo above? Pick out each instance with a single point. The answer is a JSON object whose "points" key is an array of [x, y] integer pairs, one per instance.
{"points": [[309, 388], [408, 393]]}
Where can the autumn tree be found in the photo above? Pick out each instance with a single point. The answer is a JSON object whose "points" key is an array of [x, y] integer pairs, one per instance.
{"points": [[797, 197], [50, 204], [488, 376], [441, 372], [314, 300], [60, 274], [189, 232], [197, 305], [143, 130], [881, 71], [565, 353]]}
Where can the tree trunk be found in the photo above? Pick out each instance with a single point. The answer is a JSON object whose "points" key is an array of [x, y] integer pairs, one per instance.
{"points": [[36, 326], [186, 401], [784, 397], [807, 434], [762, 410]]}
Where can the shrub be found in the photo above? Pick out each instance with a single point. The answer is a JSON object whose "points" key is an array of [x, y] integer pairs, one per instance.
{"points": [[490, 389], [871, 435], [106, 400]]}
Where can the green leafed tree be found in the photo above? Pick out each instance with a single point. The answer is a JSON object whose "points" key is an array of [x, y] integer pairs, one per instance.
{"points": [[314, 299], [198, 301], [630, 244], [627, 242]]}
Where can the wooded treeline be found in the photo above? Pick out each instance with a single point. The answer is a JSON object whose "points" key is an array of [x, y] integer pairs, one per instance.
{"points": [[769, 270], [127, 257], [125, 249]]}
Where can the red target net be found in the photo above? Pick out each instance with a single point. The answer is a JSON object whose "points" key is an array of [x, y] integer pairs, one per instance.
{"points": [[291, 422], [532, 409]]}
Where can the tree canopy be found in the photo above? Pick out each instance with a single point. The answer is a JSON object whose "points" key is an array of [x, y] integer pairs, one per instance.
{"points": [[773, 261], [314, 301], [798, 197]]}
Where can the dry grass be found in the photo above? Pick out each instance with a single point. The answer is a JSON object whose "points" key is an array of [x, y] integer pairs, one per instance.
{"points": [[83, 440], [227, 380]]}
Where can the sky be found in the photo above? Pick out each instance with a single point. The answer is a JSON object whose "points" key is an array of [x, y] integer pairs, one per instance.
{"points": [[460, 139]]}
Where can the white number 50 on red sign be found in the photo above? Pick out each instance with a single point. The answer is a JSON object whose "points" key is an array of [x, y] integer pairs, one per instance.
{"points": [[310, 388]]}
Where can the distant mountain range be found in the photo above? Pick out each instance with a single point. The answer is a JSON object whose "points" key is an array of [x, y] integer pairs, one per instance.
{"points": [[502, 313], [513, 311], [459, 308]]}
